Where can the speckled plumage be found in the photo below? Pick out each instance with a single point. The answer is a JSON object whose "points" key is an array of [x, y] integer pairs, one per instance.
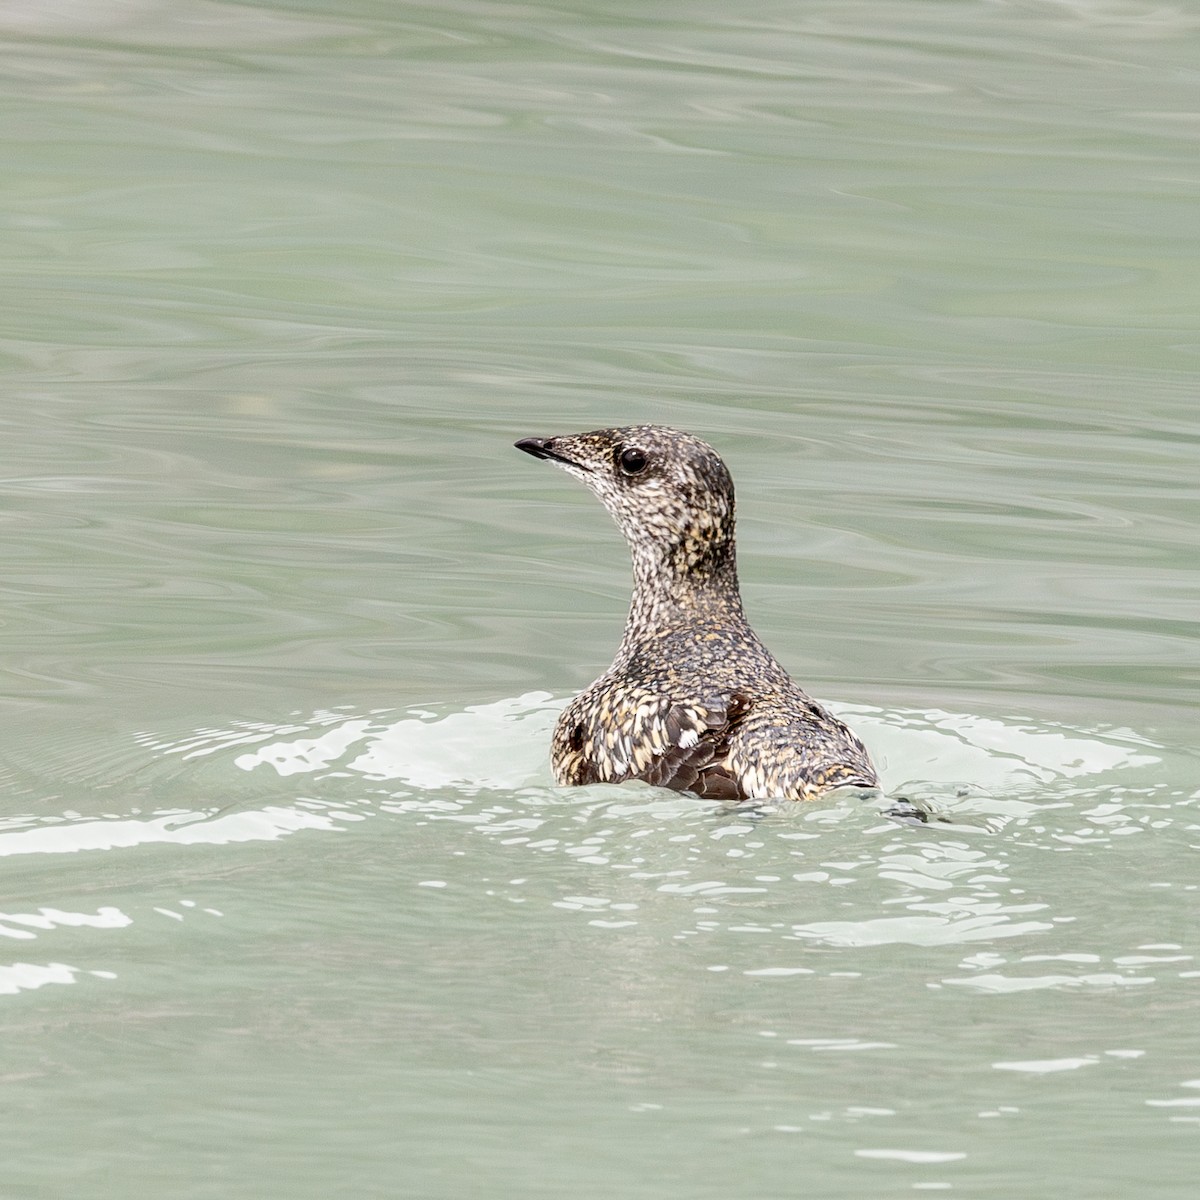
{"points": [[693, 700]]}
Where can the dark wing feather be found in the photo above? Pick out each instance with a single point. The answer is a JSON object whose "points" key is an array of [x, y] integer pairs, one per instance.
{"points": [[690, 743], [645, 735]]}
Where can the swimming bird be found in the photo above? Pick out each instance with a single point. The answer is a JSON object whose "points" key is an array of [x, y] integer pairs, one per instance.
{"points": [[693, 700]]}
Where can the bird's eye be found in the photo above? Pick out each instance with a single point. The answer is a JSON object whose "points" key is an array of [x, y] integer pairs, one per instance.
{"points": [[632, 461]]}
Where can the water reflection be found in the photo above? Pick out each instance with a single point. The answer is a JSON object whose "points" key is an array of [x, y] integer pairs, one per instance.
{"points": [[24, 976]]}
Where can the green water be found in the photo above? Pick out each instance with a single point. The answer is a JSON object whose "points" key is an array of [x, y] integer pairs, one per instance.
{"points": [[288, 903]]}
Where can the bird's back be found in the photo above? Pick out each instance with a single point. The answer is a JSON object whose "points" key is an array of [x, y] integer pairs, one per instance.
{"points": [[706, 708]]}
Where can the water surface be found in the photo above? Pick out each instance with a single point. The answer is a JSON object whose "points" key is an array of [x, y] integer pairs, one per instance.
{"points": [[290, 904]]}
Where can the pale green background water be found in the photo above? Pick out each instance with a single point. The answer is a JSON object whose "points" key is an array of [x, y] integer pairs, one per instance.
{"points": [[290, 905]]}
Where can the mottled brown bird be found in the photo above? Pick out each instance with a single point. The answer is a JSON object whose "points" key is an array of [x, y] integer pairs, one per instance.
{"points": [[693, 700]]}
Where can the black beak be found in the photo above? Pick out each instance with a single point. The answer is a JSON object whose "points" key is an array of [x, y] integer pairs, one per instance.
{"points": [[543, 448], [534, 446]]}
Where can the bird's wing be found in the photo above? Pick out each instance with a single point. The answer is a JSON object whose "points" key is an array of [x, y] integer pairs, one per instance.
{"points": [[645, 734]]}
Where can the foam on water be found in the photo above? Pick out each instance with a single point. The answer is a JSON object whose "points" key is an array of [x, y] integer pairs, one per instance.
{"points": [[971, 771]]}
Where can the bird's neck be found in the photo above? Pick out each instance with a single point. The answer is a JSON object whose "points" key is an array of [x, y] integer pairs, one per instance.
{"points": [[688, 582]]}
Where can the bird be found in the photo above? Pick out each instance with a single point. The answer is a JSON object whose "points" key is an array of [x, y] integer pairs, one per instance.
{"points": [[693, 700]]}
